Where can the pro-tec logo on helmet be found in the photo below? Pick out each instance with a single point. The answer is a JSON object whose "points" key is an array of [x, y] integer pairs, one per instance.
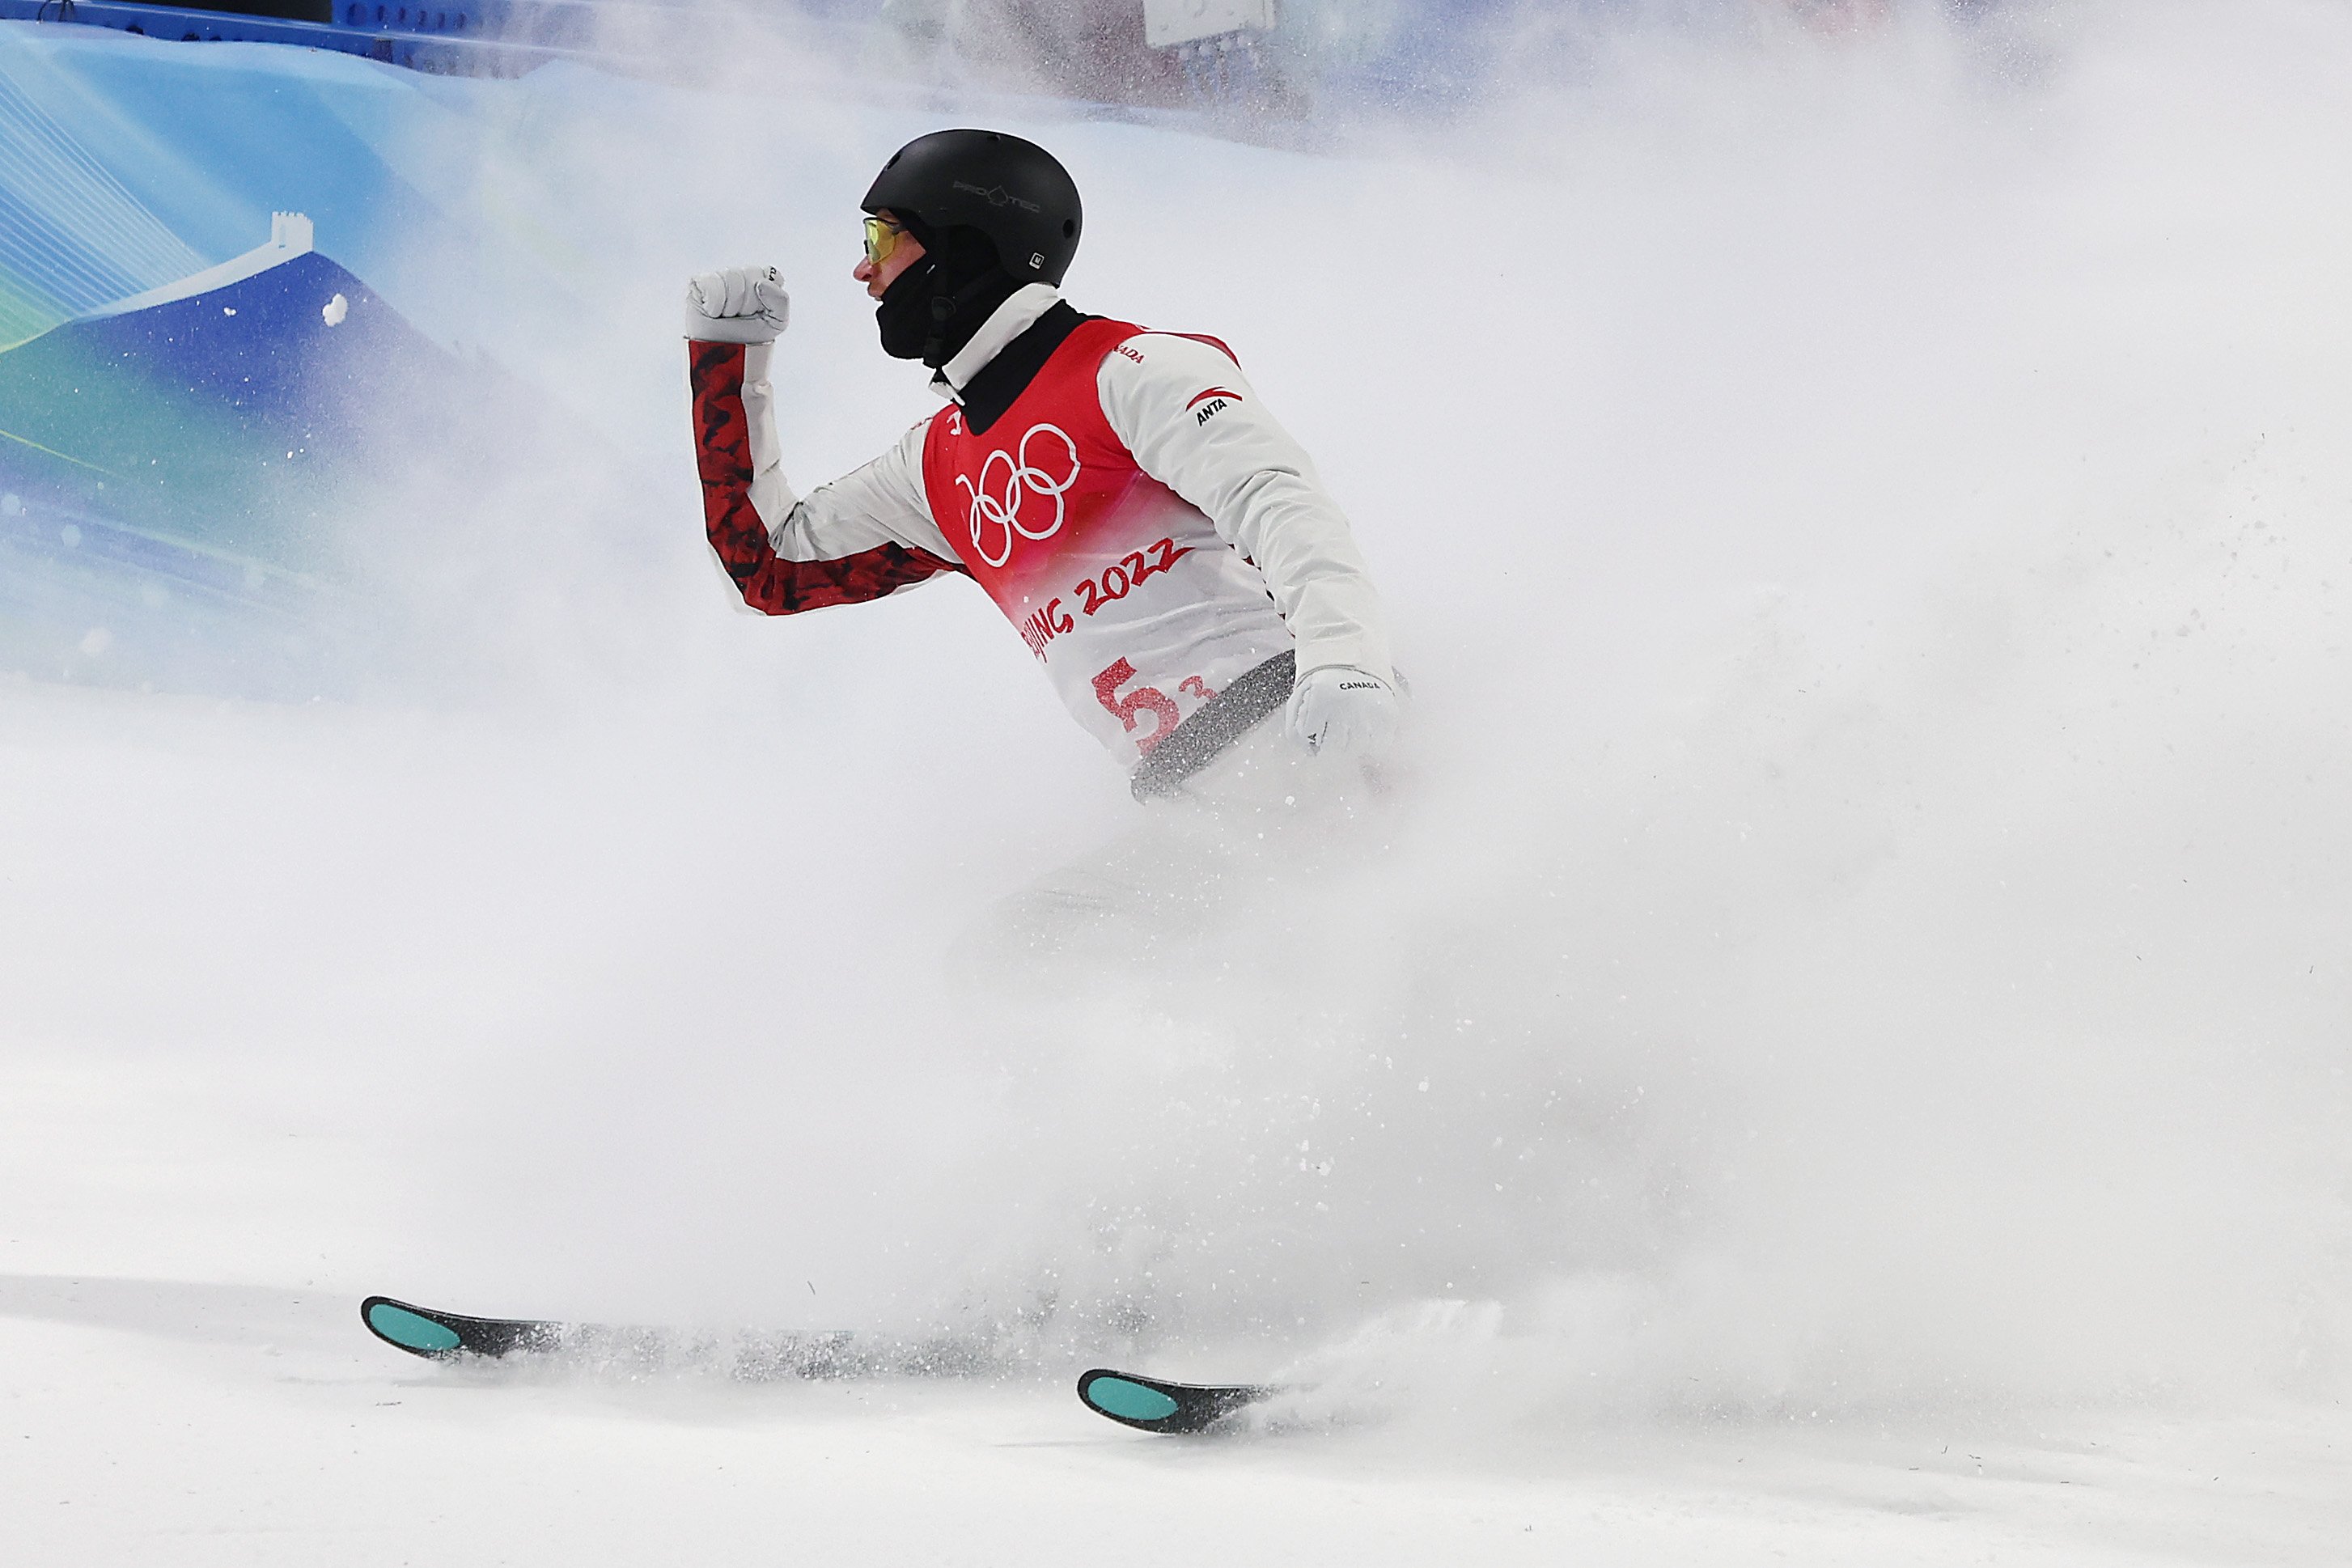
{"points": [[997, 196]]}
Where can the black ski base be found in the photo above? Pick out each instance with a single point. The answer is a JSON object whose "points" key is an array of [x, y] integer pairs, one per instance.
{"points": [[1155, 1405], [443, 1336]]}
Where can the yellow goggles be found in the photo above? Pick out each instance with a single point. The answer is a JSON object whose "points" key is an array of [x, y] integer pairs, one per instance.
{"points": [[882, 238]]}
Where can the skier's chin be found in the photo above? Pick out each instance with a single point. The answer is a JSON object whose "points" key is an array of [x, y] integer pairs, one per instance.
{"points": [[903, 314]]}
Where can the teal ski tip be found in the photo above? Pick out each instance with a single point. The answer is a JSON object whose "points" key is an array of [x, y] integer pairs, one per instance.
{"points": [[437, 1335], [1154, 1405], [408, 1327]]}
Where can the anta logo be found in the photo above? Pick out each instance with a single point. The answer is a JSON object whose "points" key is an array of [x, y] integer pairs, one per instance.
{"points": [[997, 196], [1032, 477], [1211, 403]]}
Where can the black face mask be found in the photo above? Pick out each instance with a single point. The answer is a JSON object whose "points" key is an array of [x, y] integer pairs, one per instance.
{"points": [[935, 306], [905, 313]]}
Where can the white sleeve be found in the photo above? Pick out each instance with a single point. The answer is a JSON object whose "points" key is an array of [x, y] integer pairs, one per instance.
{"points": [[881, 503], [1257, 486]]}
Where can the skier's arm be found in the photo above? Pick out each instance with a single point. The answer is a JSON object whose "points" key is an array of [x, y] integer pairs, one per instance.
{"points": [[1257, 484], [866, 535]]}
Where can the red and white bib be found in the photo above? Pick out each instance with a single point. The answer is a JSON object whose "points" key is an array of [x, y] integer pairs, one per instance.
{"points": [[1138, 609]]}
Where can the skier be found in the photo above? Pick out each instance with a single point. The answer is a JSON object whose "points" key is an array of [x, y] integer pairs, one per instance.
{"points": [[1162, 545]]}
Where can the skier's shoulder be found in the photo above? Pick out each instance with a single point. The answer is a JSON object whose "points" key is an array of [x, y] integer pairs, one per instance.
{"points": [[1148, 379], [1147, 350]]}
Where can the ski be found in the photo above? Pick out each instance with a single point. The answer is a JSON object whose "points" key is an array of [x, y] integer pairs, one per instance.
{"points": [[440, 1336], [1154, 1405], [745, 1355]]}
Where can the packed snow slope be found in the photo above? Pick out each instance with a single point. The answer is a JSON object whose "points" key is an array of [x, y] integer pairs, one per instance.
{"points": [[1838, 1049]]}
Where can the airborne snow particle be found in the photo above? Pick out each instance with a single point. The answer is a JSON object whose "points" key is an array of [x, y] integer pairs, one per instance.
{"points": [[335, 310]]}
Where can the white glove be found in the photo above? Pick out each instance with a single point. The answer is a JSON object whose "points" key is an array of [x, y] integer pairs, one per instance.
{"points": [[1342, 712], [741, 305]]}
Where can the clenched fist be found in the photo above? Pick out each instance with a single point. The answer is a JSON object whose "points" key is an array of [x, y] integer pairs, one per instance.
{"points": [[741, 305]]}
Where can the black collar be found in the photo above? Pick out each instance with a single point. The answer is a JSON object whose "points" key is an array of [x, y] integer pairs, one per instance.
{"points": [[1006, 377]]}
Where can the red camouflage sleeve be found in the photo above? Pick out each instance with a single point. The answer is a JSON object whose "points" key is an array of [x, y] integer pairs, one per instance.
{"points": [[770, 582]]}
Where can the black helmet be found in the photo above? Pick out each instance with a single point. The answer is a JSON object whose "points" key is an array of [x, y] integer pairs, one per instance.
{"points": [[1012, 191]]}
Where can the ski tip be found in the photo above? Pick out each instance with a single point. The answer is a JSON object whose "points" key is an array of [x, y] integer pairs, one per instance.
{"points": [[408, 1327], [1154, 1405]]}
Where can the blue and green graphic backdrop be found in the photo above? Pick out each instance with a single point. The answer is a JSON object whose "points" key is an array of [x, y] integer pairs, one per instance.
{"points": [[210, 342]]}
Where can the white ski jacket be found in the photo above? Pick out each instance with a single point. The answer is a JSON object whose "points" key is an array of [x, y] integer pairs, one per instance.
{"points": [[1163, 544]]}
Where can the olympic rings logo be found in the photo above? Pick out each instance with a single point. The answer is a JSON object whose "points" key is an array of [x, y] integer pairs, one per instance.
{"points": [[996, 504]]}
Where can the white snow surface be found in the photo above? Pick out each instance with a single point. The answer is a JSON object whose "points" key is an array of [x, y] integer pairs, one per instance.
{"points": [[1839, 1053]]}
